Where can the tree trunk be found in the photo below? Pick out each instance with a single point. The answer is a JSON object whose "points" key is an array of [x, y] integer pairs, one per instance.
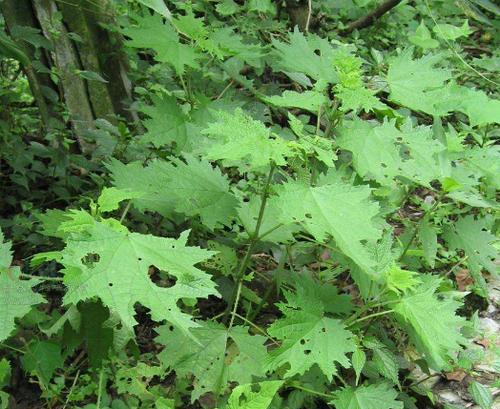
{"points": [[66, 62], [99, 51], [20, 13]]}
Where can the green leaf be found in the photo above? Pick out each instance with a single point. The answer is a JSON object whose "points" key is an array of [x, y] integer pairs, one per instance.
{"points": [[245, 397], [158, 6], [108, 262], [308, 338], [97, 336], [262, 6], [166, 124], [42, 359], [5, 254], [10, 49], [194, 188], [451, 32], [270, 229], [311, 55], [309, 100], [358, 360], [384, 360], [473, 237], [151, 32], [375, 153], [367, 397], [92, 76], [384, 152], [438, 340], [422, 37], [4, 400], [480, 109], [307, 288], [418, 85], [484, 163], [481, 395], [238, 140], [5, 372], [111, 197], [339, 210], [399, 280], [16, 296], [488, 5], [473, 198], [217, 357], [227, 7], [358, 99], [135, 380]]}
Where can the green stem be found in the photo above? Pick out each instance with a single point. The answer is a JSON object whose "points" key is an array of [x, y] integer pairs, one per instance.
{"points": [[415, 231], [19, 351], [296, 385], [71, 390], [367, 307], [45, 278], [99, 391], [270, 231], [367, 317], [236, 302], [125, 211], [263, 332], [254, 238]]}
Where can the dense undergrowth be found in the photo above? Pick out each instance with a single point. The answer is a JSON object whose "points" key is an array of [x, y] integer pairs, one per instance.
{"points": [[299, 219]]}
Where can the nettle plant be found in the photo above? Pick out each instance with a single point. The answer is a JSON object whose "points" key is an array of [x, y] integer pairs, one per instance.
{"points": [[316, 227]]}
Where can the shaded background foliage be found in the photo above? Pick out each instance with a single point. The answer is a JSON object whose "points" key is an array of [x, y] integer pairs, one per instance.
{"points": [[274, 192]]}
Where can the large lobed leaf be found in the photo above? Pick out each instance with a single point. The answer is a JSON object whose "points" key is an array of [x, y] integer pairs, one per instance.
{"points": [[105, 260], [16, 296], [218, 356], [432, 323], [192, 187], [339, 210], [309, 337]]}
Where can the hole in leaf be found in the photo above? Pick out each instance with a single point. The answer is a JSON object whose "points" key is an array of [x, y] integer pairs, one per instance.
{"points": [[90, 259], [160, 278]]}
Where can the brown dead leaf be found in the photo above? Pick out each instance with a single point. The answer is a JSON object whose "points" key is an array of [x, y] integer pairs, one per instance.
{"points": [[463, 279], [458, 375], [483, 342]]}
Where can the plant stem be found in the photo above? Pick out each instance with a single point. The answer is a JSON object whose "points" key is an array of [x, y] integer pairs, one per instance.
{"points": [[58, 279], [125, 211], [236, 302], [99, 391], [19, 351], [367, 317], [71, 389], [254, 238], [296, 385], [415, 231], [270, 231], [263, 332], [309, 14]]}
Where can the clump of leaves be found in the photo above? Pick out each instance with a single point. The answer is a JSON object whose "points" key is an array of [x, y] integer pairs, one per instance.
{"points": [[259, 247]]}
